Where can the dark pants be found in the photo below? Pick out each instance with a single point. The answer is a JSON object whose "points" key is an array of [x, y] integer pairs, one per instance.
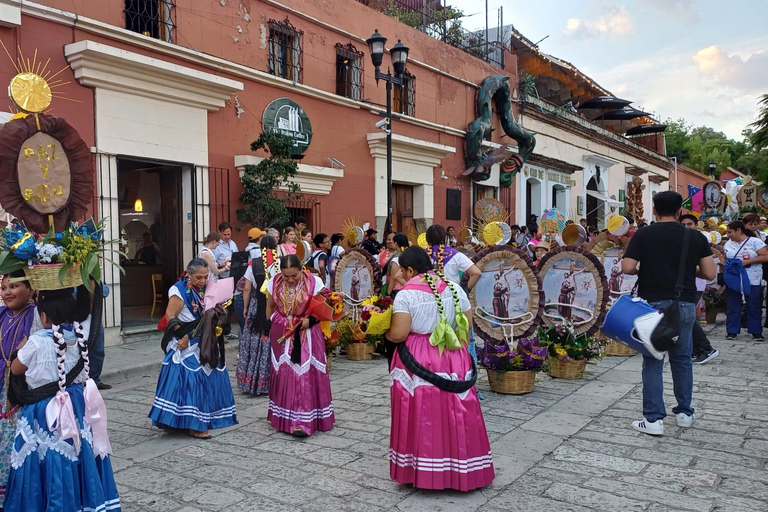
{"points": [[754, 303], [701, 344], [96, 356], [239, 307]]}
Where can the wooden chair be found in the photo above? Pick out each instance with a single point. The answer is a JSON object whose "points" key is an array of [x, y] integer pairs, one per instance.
{"points": [[157, 284]]}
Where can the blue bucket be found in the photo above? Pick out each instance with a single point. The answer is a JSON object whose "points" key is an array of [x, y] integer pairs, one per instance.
{"points": [[619, 324]]}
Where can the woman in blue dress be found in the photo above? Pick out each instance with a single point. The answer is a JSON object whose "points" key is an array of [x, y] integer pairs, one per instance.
{"points": [[190, 395], [60, 460]]}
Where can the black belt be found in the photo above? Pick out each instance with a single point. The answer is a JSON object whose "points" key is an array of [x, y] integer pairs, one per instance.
{"points": [[451, 386]]}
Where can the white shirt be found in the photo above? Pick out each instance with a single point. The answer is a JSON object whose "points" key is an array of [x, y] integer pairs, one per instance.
{"points": [[751, 246], [185, 315], [254, 250], [423, 308], [457, 264], [39, 356]]}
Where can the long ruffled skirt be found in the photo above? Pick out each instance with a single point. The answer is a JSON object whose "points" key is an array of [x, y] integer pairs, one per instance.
{"points": [[47, 474], [438, 439], [8, 420], [190, 395], [299, 394], [254, 360]]}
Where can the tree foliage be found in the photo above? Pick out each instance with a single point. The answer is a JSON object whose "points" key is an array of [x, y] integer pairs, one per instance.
{"points": [[759, 137], [261, 207]]}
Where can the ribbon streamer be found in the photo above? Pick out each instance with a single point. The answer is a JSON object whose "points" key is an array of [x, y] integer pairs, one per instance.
{"points": [[96, 417], [59, 415]]}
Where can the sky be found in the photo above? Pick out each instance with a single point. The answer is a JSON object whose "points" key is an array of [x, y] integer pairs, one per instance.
{"points": [[705, 61]]}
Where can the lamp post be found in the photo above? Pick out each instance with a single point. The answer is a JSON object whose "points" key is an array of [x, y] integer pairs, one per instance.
{"points": [[712, 168], [399, 54]]}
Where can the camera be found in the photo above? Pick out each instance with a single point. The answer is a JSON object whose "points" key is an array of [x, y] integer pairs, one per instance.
{"points": [[382, 124]]}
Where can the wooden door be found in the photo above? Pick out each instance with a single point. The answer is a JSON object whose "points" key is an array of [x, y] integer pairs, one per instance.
{"points": [[171, 215], [402, 206]]}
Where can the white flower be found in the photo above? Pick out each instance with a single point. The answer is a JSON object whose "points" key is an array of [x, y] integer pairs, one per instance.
{"points": [[48, 253]]}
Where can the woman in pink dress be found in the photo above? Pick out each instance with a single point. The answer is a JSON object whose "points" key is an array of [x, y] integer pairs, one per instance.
{"points": [[299, 392], [438, 438]]}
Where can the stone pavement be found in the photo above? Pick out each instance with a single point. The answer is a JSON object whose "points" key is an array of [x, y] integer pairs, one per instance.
{"points": [[568, 446]]}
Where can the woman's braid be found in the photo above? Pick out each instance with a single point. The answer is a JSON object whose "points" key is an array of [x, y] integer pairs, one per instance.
{"points": [[61, 352]]}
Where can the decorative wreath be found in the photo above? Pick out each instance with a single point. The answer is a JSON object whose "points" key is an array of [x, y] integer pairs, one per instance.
{"points": [[594, 267], [605, 242], [75, 150], [519, 260], [369, 264]]}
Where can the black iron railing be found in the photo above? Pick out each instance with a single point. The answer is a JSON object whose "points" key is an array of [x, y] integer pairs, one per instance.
{"points": [[404, 96], [349, 71], [285, 52], [153, 18]]}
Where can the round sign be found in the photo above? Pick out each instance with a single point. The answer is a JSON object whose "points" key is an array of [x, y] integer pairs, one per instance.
{"points": [[30, 92], [44, 174], [286, 117], [357, 276], [712, 194], [507, 295], [575, 288]]}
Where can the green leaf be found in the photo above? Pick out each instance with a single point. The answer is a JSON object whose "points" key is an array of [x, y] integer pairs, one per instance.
{"points": [[86, 277], [63, 272], [96, 273], [118, 267], [11, 266]]}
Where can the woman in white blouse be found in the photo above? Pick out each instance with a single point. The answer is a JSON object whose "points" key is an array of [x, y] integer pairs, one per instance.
{"points": [[438, 438], [447, 260], [206, 252]]}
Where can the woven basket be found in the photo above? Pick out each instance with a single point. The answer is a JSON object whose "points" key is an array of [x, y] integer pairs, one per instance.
{"points": [[618, 349], [567, 369], [512, 383], [359, 351], [46, 277]]}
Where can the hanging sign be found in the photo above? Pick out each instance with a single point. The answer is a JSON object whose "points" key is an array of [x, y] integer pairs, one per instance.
{"points": [[286, 117], [748, 195]]}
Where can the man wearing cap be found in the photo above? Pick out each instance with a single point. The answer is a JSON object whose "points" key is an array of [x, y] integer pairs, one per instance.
{"points": [[254, 239], [371, 244]]}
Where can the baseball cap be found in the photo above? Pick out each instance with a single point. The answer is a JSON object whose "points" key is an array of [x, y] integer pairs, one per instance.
{"points": [[255, 233], [370, 231]]}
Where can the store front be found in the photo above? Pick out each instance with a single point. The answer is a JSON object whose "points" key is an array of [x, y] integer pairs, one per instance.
{"points": [[539, 188]]}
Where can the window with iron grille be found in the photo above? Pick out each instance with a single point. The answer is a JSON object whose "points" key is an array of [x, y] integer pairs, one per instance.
{"points": [[404, 97], [349, 71], [285, 50], [153, 18]]}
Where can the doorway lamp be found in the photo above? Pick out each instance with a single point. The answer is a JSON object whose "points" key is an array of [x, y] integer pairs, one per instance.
{"points": [[399, 55], [712, 168]]}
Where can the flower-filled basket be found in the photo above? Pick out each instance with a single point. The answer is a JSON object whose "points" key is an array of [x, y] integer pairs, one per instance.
{"points": [[569, 352], [512, 372], [55, 260]]}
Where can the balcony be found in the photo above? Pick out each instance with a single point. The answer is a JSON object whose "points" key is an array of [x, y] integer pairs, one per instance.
{"points": [[444, 24]]}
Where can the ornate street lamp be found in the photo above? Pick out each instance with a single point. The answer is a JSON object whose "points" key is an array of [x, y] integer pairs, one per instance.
{"points": [[712, 167], [399, 55]]}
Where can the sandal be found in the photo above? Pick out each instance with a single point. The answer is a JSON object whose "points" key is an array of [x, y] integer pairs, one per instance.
{"points": [[199, 435]]}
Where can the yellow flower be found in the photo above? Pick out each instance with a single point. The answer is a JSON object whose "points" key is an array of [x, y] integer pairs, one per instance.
{"points": [[218, 331], [561, 351]]}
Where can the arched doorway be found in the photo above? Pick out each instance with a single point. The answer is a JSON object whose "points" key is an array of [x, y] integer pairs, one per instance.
{"points": [[594, 205], [559, 197], [532, 199]]}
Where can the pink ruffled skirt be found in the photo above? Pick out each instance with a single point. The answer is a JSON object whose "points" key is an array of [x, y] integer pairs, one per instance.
{"points": [[438, 439]]}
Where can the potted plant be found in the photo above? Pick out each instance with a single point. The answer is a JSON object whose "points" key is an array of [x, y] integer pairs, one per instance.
{"points": [[712, 300], [569, 352], [331, 342], [353, 340], [512, 371]]}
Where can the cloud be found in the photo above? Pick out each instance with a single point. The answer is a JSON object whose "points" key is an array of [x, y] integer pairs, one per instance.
{"points": [[669, 84], [750, 75], [617, 22], [672, 6]]}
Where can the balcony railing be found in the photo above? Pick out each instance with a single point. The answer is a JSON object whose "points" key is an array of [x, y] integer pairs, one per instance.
{"points": [[442, 23]]}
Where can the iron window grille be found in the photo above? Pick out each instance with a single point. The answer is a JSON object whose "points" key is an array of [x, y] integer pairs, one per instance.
{"points": [[349, 71], [153, 18], [285, 51], [404, 97]]}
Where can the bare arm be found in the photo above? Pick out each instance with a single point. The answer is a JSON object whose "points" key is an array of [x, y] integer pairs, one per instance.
{"points": [[17, 368], [246, 296], [212, 265], [468, 314], [762, 257], [707, 269], [474, 276], [321, 271], [399, 328], [270, 306], [629, 266], [175, 304]]}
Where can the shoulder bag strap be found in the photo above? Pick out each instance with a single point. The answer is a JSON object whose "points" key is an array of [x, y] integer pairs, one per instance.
{"points": [[681, 268]]}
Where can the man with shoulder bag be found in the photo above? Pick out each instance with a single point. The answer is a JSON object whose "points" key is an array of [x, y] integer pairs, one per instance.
{"points": [[670, 260]]}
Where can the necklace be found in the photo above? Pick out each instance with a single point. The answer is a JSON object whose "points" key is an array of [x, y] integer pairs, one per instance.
{"points": [[13, 325]]}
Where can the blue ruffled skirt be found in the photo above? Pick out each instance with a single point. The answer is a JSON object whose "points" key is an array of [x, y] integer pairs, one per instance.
{"points": [[46, 473], [191, 396]]}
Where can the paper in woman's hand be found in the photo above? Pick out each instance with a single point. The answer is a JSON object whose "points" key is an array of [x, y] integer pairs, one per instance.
{"points": [[219, 291]]}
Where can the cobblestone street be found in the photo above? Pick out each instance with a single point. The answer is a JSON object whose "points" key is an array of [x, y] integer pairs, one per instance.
{"points": [[568, 446]]}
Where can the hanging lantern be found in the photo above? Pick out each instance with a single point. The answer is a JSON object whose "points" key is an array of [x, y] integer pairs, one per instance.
{"points": [[138, 206]]}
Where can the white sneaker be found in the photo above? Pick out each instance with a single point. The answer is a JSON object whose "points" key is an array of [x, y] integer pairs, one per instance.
{"points": [[684, 420], [653, 428]]}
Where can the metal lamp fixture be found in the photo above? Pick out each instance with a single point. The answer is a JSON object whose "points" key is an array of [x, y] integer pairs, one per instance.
{"points": [[712, 166], [399, 54], [376, 45]]}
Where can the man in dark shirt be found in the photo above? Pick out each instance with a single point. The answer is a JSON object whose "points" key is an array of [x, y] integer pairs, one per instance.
{"points": [[370, 244], [658, 249]]}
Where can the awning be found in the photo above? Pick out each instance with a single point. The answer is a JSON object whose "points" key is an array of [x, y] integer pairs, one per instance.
{"points": [[645, 129], [622, 114], [604, 102], [601, 197]]}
